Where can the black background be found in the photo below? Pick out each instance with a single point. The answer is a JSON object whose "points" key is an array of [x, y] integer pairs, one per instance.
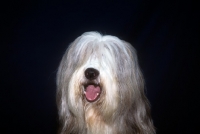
{"points": [[35, 35]]}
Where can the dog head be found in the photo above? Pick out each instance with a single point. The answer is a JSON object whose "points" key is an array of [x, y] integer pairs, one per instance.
{"points": [[99, 78]]}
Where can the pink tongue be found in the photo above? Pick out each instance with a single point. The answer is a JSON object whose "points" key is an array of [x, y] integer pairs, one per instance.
{"points": [[92, 92]]}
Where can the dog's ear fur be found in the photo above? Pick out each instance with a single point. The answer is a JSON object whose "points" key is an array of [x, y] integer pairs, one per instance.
{"points": [[134, 106], [68, 123]]}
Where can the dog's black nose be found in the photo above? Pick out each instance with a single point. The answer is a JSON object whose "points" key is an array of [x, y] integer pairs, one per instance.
{"points": [[91, 73]]}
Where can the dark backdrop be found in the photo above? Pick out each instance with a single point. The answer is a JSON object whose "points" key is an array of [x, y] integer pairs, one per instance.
{"points": [[35, 35]]}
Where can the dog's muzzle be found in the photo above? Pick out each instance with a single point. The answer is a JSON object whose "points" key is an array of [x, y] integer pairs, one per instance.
{"points": [[92, 88]]}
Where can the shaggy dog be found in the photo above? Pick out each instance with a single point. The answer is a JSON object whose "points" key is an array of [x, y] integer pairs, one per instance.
{"points": [[100, 88]]}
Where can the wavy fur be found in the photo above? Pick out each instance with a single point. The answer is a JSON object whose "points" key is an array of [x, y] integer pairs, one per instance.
{"points": [[122, 107]]}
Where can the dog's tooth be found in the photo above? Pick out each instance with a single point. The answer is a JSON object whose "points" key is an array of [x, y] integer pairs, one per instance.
{"points": [[84, 92]]}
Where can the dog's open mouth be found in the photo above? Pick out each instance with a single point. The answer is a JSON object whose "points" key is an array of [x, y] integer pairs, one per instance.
{"points": [[92, 92]]}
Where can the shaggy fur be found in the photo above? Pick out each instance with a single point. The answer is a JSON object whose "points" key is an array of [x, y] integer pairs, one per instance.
{"points": [[108, 66]]}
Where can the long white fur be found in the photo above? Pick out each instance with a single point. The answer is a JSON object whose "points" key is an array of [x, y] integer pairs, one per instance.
{"points": [[122, 88]]}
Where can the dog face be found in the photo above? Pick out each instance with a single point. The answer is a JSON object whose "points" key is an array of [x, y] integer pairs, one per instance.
{"points": [[100, 87]]}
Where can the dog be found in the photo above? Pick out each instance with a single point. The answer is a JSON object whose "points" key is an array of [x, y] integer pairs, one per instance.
{"points": [[100, 88]]}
